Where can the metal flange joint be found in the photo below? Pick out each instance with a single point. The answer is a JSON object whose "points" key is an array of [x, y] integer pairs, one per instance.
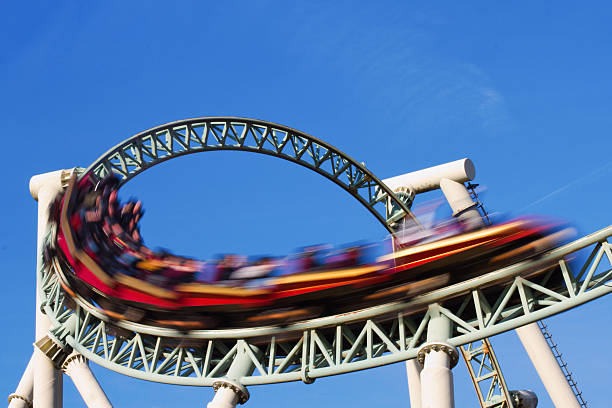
{"points": [[438, 346], [239, 389]]}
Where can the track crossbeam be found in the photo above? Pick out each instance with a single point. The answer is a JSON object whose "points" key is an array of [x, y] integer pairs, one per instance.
{"points": [[482, 307]]}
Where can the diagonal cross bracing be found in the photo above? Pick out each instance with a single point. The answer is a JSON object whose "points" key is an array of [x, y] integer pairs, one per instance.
{"points": [[156, 145], [482, 307]]}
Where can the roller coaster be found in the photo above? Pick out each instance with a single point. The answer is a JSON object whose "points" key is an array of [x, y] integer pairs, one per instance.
{"points": [[406, 305]]}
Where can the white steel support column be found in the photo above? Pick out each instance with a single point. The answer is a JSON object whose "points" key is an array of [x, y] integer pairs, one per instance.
{"points": [[547, 366], [461, 203], [413, 372], [228, 391], [437, 358], [449, 177], [425, 180], [47, 391], [77, 368], [22, 397], [439, 361]]}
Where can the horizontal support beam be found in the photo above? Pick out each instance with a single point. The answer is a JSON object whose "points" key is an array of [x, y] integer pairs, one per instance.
{"points": [[340, 344]]}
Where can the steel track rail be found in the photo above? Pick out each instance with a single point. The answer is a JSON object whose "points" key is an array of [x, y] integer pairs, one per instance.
{"points": [[156, 145], [480, 307]]}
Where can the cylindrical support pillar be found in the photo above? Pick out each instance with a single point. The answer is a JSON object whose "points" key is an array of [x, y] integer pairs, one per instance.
{"points": [[413, 372], [437, 381], [225, 397], [47, 391], [22, 397], [425, 180], [228, 391], [547, 366], [77, 368], [461, 203], [437, 358]]}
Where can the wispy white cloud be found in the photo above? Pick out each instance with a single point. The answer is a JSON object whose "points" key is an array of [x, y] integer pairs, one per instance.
{"points": [[390, 60], [571, 184]]}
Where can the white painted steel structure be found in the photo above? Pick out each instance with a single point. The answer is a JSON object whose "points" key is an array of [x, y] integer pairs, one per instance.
{"points": [[437, 358], [435, 379], [449, 178], [413, 374], [494, 303], [231, 359], [422, 181], [47, 379], [49, 353], [547, 367], [77, 368], [22, 397]]}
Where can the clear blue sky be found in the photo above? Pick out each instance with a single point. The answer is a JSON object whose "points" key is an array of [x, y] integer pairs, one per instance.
{"points": [[522, 89]]}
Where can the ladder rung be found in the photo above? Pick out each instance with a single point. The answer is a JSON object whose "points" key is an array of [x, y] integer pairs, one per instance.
{"points": [[486, 376]]}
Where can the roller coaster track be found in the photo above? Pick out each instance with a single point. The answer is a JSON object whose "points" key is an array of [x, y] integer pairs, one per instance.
{"points": [[481, 307], [156, 145]]}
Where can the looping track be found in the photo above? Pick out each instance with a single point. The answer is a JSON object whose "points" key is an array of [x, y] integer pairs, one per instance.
{"points": [[161, 143], [481, 307]]}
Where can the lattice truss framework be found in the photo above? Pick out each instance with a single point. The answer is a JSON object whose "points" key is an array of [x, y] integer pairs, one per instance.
{"points": [[165, 142], [486, 374], [482, 307]]}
